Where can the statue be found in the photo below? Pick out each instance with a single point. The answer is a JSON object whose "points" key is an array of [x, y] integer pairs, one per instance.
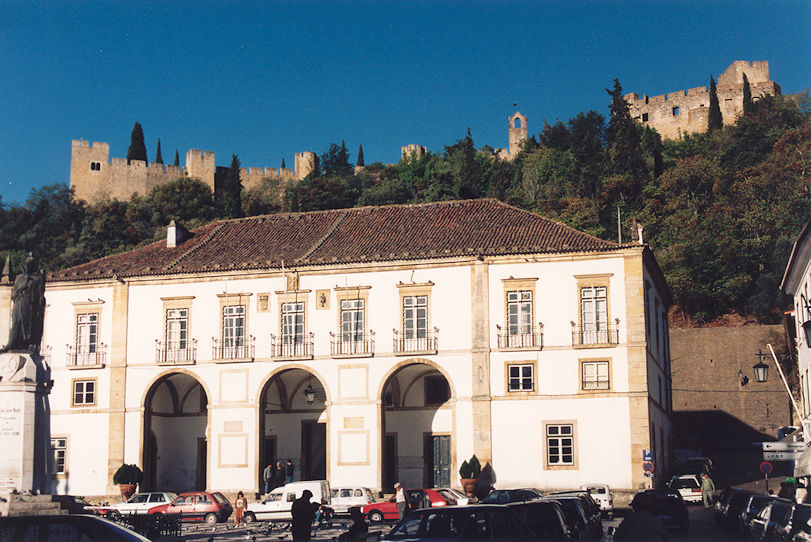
{"points": [[28, 309]]}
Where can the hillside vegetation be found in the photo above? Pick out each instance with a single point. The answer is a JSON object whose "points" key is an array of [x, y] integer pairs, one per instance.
{"points": [[720, 209]]}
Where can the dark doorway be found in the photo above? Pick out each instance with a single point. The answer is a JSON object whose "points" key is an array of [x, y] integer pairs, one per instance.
{"points": [[268, 458], [202, 454], [390, 463], [437, 457], [313, 450]]}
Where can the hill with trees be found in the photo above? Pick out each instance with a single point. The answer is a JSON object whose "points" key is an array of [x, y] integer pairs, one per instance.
{"points": [[720, 209]]}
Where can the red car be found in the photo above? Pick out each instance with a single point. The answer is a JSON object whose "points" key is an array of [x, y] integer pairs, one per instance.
{"points": [[417, 498], [207, 506]]}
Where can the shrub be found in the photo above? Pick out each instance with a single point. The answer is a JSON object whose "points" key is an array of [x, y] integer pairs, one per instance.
{"points": [[128, 474]]}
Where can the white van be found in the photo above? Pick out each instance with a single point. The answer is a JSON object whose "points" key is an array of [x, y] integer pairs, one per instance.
{"points": [[277, 504], [344, 498]]}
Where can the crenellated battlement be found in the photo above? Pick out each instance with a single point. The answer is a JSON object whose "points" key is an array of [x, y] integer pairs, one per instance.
{"points": [[685, 111]]}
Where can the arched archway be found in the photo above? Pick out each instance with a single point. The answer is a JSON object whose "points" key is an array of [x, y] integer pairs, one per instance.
{"points": [[417, 419], [291, 427], [175, 424]]}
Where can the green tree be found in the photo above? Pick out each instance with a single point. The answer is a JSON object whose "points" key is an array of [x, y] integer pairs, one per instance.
{"points": [[177, 158], [360, 161], [228, 194], [187, 200], [137, 148], [587, 138], [747, 96], [335, 162], [266, 198], [283, 166], [158, 155], [623, 139], [714, 118]]}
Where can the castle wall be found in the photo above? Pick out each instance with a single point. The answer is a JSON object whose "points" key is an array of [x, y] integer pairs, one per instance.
{"points": [[686, 111]]}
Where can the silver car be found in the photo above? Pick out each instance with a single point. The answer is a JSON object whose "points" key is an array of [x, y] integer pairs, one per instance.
{"points": [[140, 503]]}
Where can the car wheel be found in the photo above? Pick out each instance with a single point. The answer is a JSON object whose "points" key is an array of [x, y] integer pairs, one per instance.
{"points": [[375, 516], [211, 517], [249, 517]]}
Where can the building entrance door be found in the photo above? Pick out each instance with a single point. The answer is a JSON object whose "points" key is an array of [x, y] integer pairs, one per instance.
{"points": [[313, 450], [437, 456]]}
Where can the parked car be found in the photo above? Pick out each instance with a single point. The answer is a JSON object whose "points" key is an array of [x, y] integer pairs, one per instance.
{"points": [[417, 498], [56, 528], [344, 498], [504, 496], [803, 533], [208, 506], [754, 504], [795, 523], [544, 518], [453, 496], [277, 504], [762, 526], [583, 517], [728, 507], [665, 504], [140, 503], [688, 486], [472, 522], [591, 505], [601, 493], [696, 465]]}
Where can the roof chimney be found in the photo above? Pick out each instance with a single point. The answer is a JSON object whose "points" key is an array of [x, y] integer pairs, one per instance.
{"points": [[175, 234]]}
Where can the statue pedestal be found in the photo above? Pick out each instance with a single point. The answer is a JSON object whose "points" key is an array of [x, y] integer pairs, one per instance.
{"points": [[18, 406]]}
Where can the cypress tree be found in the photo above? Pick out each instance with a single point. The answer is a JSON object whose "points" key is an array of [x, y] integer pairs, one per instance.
{"points": [[283, 164], [747, 96], [623, 138], [158, 155], [230, 194], [177, 158], [137, 148], [360, 161], [714, 119]]}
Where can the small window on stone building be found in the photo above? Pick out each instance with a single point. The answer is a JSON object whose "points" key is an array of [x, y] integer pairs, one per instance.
{"points": [[676, 111], [95, 166], [644, 117], [517, 123]]}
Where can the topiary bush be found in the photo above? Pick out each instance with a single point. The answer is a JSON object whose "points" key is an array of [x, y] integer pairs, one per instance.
{"points": [[128, 474]]}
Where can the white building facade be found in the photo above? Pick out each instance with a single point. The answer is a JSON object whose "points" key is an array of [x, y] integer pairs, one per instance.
{"points": [[369, 346]]}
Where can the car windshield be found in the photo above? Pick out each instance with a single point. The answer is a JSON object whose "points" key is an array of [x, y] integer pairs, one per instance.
{"points": [[683, 483], [274, 497], [139, 498], [220, 498]]}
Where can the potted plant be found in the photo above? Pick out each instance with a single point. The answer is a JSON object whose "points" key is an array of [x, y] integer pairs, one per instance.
{"points": [[127, 478], [468, 472]]}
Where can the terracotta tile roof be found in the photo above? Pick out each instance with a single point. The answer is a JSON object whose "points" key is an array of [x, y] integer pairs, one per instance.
{"points": [[365, 234]]}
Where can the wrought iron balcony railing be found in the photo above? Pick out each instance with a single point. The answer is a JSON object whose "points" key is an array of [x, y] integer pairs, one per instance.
{"points": [[526, 341], [183, 353], [352, 345], [600, 335], [233, 349], [420, 341], [292, 347], [86, 355]]}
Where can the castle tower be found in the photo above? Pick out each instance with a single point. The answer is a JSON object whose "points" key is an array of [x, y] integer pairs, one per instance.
{"points": [[200, 165], [89, 168], [306, 163], [517, 128], [418, 151]]}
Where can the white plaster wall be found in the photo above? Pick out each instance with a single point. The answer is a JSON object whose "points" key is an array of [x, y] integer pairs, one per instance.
{"points": [[86, 454]]}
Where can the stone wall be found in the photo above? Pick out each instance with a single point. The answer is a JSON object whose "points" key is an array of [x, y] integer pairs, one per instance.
{"points": [[685, 111]]}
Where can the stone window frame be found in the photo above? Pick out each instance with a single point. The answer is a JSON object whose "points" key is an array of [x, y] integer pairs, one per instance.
{"points": [[521, 363], [516, 285], [415, 290], [351, 293], [234, 300], [598, 280], [174, 303], [546, 437], [293, 296], [52, 459], [81, 308], [95, 393], [589, 361]]}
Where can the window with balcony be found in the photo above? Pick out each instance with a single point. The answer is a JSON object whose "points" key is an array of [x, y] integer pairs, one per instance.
{"points": [[294, 342], [86, 350], [353, 338], [177, 347], [519, 331], [234, 343], [594, 328]]}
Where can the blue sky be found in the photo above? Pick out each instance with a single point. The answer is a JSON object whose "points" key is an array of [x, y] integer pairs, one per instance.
{"points": [[265, 80]]}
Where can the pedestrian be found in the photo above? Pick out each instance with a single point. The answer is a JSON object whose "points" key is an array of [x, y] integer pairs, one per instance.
{"points": [[786, 490], [801, 493], [707, 489], [239, 509], [278, 475], [267, 476], [289, 469], [359, 528], [400, 499], [303, 514]]}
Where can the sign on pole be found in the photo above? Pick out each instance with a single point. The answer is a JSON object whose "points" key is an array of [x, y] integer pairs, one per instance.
{"points": [[783, 446], [765, 467], [648, 466], [782, 456], [647, 455]]}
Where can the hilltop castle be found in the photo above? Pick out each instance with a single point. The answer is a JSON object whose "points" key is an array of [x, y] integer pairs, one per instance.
{"points": [[93, 176], [686, 111]]}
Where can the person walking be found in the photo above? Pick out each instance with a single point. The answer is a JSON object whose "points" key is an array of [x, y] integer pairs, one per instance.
{"points": [[707, 489], [278, 475], [400, 499], [267, 476], [289, 469], [303, 514], [239, 509]]}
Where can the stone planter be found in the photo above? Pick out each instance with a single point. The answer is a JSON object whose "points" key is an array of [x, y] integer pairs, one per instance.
{"points": [[127, 490], [469, 485]]}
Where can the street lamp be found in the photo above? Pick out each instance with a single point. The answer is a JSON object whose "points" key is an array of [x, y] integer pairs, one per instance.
{"points": [[760, 368], [309, 394]]}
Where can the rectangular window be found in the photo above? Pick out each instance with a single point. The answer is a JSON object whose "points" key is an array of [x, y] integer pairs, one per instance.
{"points": [[177, 328], [233, 326], [87, 334], [676, 111], [595, 375], [59, 450], [520, 377], [415, 316], [352, 320], [292, 323], [84, 392], [560, 444], [436, 390], [519, 312]]}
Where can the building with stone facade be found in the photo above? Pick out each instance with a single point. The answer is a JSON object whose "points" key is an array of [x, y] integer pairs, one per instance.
{"points": [[685, 111], [369, 345]]}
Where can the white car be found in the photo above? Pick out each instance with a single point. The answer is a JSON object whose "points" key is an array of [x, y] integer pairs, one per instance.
{"points": [[601, 494], [140, 503], [688, 486], [344, 498], [278, 504]]}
